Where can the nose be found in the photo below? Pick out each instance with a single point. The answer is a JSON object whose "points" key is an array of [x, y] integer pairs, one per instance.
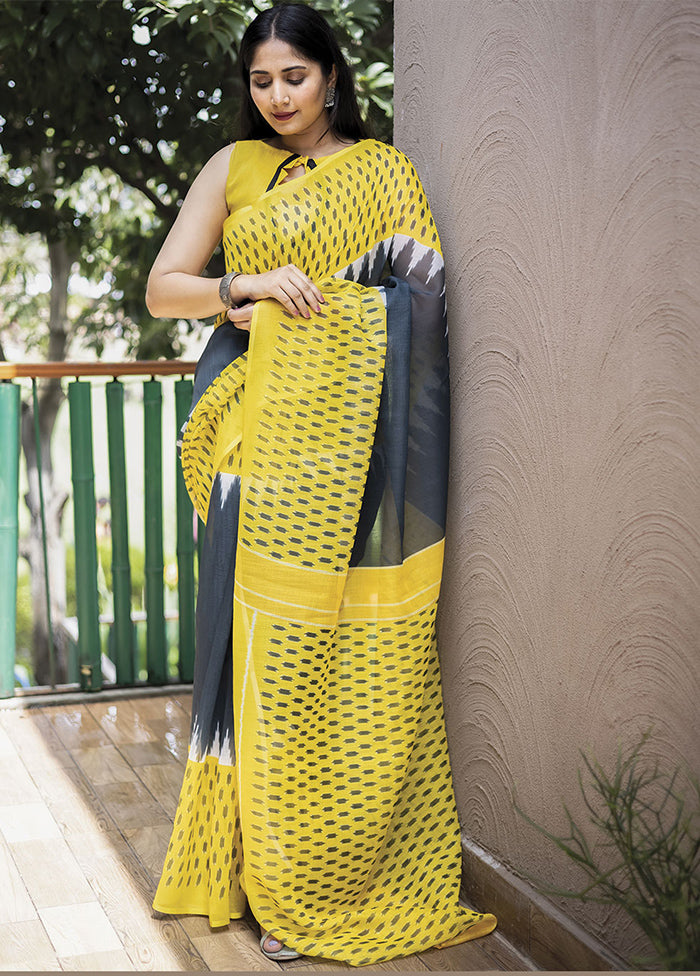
{"points": [[277, 96]]}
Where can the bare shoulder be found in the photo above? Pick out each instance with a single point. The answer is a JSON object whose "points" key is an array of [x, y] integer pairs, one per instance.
{"points": [[217, 166]]}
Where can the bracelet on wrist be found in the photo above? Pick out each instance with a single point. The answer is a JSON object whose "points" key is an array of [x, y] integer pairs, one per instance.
{"points": [[225, 288]]}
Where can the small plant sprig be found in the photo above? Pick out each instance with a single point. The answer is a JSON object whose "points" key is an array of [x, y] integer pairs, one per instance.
{"points": [[648, 862]]}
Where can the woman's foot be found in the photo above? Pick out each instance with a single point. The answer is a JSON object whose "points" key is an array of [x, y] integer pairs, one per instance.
{"points": [[272, 948]]}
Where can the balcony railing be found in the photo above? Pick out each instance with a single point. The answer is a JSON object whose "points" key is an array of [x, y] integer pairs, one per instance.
{"points": [[89, 666]]}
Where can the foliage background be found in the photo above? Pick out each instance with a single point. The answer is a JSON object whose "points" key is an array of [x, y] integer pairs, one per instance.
{"points": [[108, 109]]}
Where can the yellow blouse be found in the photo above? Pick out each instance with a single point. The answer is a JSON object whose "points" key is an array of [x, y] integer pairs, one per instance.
{"points": [[253, 165]]}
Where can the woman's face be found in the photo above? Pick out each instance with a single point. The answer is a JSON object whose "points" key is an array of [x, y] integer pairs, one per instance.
{"points": [[288, 89]]}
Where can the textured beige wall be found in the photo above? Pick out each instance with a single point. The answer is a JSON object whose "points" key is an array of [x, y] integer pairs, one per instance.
{"points": [[559, 142]]}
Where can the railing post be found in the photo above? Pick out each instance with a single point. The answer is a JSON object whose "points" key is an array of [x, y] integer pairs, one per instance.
{"points": [[156, 648], [185, 545], [83, 476], [9, 494], [123, 634], [44, 537]]}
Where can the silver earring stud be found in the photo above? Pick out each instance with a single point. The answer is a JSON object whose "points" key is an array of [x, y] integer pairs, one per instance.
{"points": [[330, 98]]}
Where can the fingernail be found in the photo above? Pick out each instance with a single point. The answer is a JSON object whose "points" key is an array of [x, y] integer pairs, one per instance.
{"points": [[318, 308]]}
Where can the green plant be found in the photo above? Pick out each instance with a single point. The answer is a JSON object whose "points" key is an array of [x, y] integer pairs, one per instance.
{"points": [[23, 640], [648, 862]]}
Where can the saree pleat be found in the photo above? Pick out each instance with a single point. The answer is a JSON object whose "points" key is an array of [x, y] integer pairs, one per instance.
{"points": [[318, 789]]}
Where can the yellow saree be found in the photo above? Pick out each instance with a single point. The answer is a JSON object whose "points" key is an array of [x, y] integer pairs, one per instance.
{"points": [[318, 788]]}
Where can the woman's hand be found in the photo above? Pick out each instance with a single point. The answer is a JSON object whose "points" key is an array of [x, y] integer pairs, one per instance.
{"points": [[294, 290], [242, 316]]}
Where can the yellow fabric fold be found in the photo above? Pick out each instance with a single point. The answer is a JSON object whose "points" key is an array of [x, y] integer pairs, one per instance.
{"points": [[338, 815]]}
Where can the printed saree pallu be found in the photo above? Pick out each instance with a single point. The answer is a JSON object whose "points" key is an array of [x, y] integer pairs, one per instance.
{"points": [[318, 786]]}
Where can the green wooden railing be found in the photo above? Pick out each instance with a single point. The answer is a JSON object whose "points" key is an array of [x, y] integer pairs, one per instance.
{"points": [[122, 638]]}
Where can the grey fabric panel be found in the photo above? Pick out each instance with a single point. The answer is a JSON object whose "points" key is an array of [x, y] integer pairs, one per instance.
{"points": [[381, 522], [212, 697]]}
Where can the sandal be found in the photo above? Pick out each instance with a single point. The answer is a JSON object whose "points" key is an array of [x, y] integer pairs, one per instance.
{"points": [[283, 954]]}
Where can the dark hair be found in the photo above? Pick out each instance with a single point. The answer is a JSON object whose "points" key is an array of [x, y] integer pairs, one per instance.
{"points": [[308, 32]]}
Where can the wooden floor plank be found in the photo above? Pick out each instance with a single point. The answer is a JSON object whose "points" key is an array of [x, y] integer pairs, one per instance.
{"points": [[75, 930], [505, 955], [313, 964], [51, 873], [15, 903], [121, 721], [27, 821], [235, 949], [197, 926], [150, 845], [17, 784], [406, 964], [103, 764], [98, 962], [26, 948], [75, 727], [165, 782], [173, 737], [162, 957], [126, 891], [82, 820], [469, 957], [6, 746], [131, 804], [169, 723], [34, 738], [162, 708], [57, 782], [147, 754], [86, 827], [183, 703]]}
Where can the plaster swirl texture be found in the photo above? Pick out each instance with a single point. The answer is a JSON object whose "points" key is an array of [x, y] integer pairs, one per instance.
{"points": [[559, 144]]}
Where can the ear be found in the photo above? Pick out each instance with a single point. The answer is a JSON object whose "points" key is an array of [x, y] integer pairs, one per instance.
{"points": [[333, 77]]}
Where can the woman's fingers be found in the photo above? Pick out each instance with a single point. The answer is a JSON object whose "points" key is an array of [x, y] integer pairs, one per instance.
{"points": [[242, 316], [287, 302], [298, 297], [289, 286], [293, 289], [310, 293]]}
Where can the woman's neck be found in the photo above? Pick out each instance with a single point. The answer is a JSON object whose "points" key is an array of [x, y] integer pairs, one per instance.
{"points": [[309, 145]]}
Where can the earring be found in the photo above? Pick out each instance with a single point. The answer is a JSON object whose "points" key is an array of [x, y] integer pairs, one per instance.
{"points": [[330, 98]]}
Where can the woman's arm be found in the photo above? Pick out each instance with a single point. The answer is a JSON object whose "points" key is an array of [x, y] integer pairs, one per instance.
{"points": [[176, 288]]}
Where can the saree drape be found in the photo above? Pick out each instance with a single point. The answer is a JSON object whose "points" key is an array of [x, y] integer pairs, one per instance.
{"points": [[318, 787]]}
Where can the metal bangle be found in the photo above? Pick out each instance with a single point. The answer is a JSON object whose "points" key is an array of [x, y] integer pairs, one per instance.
{"points": [[225, 288]]}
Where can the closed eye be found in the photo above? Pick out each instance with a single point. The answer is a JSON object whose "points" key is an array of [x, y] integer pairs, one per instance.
{"points": [[266, 84]]}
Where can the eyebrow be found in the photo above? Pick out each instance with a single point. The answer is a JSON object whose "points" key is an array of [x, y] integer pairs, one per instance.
{"points": [[294, 67]]}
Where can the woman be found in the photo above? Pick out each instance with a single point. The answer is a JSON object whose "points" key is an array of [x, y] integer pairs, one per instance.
{"points": [[318, 787]]}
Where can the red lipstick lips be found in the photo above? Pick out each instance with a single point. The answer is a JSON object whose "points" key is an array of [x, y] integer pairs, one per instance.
{"points": [[283, 116]]}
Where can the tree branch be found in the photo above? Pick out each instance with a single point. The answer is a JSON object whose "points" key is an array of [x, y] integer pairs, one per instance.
{"points": [[173, 182], [165, 210]]}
